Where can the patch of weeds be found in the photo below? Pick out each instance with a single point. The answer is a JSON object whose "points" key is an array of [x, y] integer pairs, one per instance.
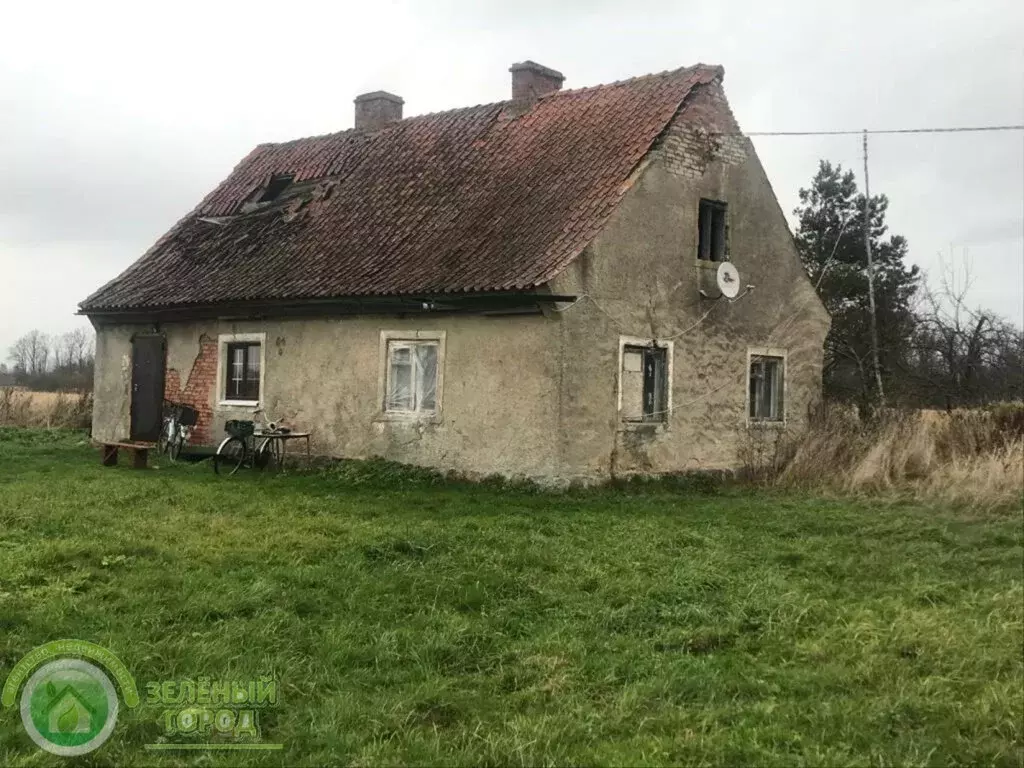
{"points": [[790, 559], [699, 644], [111, 561], [378, 472], [396, 551], [701, 483], [520, 485], [909, 652], [471, 599], [433, 713]]}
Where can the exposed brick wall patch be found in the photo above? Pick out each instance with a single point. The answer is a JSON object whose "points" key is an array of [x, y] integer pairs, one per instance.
{"points": [[199, 389]]}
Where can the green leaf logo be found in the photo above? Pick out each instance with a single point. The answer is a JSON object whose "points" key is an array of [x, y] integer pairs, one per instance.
{"points": [[68, 720]]}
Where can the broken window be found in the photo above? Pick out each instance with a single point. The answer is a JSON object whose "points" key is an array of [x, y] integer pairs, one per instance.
{"points": [[412, 377], [711, 231], [242, 374], [644, 382], [278, 184], [767, 388]]}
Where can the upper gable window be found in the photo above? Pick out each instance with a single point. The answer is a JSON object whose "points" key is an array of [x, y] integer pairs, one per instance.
{"points": [[278, 184], [711, 231]]}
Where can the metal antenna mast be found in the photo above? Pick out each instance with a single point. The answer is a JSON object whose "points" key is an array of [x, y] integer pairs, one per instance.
{"points": [[871, 277]]}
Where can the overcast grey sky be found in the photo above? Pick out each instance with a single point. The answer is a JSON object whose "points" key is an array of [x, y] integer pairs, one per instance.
{"points": [[117, 117]]}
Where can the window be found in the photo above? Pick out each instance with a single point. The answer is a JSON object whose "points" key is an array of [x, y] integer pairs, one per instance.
{"points": [[242, 373], [644, 383], [711, 233], [767, 388], [412, 375], [278, 184]]}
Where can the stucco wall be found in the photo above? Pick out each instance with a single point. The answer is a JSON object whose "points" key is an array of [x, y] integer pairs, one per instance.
{"points": [[641, 278], [498, 407]]}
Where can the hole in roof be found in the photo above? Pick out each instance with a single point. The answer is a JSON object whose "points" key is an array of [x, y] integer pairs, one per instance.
{"points": [[278, 183]]}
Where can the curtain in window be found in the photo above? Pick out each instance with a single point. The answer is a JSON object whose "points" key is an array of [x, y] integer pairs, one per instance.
{"points": [[426, 365], [400, 379], [237, 371], [412, 377], [766, 388], [252, 372]]}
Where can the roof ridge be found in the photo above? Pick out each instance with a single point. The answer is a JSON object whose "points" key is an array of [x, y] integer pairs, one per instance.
{"points": [[403, 121], [691, 69], [717, 69]]}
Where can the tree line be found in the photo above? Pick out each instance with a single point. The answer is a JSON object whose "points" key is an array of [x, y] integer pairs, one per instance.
{"points": [[935, 349], [50, 363]]}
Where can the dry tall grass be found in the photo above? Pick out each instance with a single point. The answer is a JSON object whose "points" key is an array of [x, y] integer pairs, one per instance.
{"points": [[25, 408], [973, 458]]}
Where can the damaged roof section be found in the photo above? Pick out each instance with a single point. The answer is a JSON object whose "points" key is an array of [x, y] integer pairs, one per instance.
{"points": [[471, 200]]}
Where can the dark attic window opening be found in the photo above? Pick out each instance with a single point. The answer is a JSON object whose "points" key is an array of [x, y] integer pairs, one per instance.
{"points": [[278, 184], [711, 231]]}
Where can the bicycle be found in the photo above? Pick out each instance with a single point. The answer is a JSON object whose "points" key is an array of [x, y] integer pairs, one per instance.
{"points": [[179, 419], [240, 447]]}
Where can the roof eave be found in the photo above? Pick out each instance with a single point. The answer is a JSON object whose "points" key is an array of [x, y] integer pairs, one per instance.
{"points": [[425, 303]]}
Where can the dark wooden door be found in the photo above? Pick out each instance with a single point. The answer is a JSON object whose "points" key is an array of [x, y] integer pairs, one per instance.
{"points": [[147, 387]]}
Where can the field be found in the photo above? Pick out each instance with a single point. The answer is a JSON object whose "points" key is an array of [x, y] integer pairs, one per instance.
{"points": [[411, 621], [26, 408]]}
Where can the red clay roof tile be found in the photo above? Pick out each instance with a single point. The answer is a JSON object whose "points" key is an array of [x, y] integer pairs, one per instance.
{"points": [[471, 200]]}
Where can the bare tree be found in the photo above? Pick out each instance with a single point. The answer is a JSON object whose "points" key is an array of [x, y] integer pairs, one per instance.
{"points": [[31, 353], [64, 362], [73, 348], [962, 355]]}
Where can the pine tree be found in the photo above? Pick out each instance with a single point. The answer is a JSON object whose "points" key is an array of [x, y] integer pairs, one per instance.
{"points": [[830, 238]]}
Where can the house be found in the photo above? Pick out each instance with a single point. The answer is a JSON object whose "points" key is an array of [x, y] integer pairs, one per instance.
{"points": [[531, 287]]}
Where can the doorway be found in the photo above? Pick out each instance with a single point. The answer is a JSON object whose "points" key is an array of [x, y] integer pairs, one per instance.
{"points": [[147, 387]]}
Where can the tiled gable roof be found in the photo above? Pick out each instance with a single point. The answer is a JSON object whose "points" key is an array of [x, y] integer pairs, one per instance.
{"points": [[488, 198]]}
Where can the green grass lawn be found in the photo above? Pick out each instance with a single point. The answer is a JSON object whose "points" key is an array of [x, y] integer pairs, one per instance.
{"points": [[410, 622]]}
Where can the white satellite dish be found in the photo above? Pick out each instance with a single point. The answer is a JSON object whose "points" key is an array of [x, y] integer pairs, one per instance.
{"points": [[728, 280]]}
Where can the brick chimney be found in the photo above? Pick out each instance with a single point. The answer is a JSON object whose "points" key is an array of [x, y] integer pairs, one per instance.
{"points": [[377, 109], [531, 80]]}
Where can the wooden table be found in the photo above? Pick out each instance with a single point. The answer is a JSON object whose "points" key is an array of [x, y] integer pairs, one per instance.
{"points": [[284, 437]]}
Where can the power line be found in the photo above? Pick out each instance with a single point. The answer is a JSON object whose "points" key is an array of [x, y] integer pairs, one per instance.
{"points": [[961, 129]]}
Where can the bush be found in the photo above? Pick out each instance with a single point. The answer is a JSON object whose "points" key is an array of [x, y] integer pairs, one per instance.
{"points": [[974, 457]]}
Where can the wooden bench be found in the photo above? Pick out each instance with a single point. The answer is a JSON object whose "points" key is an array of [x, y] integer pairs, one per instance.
{"points": [[140, 453]]}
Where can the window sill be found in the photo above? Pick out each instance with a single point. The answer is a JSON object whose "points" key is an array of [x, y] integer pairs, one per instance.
{"points": [[409, 417], [643, 426], [766, 423], [238, 404], [707, 264]]}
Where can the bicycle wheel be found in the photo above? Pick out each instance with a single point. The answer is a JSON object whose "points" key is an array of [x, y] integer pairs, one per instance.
{"points": [[268, 455], [230, 456], [174, 446], [161, 441]]}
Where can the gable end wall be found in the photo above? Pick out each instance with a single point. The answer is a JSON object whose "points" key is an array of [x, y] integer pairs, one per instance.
{"points": [[641, 278]]}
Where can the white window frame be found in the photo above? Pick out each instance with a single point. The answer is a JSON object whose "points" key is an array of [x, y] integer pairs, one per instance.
{"points": [[387, 340], [222, 352], [637, 341], [778, 352]]}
